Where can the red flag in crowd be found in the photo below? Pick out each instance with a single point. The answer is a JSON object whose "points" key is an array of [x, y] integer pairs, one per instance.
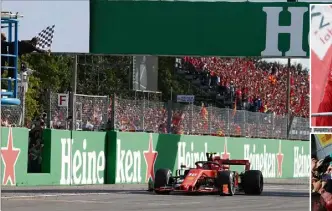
{"points": [[204, 112], [204, 115]]}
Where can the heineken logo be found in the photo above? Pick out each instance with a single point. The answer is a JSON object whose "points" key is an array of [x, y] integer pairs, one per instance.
{"points": [[188, 155], [271, 164], [150, 158], [136, 159], [302, 163], [130, 167], [225, 154], [81, 166], [128, 163]]}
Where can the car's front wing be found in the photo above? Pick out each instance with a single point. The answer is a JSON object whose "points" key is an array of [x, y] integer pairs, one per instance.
{"points": [[187, 190]]}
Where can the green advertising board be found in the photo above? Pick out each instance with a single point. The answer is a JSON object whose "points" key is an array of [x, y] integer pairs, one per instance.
{"points": [[69, 158], [199, 28], [14, 154], [139, 155], [76, 157], [84, 158]]}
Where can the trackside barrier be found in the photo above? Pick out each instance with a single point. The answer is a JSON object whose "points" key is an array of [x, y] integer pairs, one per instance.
{"points": [[321, 114], [82, 157]]}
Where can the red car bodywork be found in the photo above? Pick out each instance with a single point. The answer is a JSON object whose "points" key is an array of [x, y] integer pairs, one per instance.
{"points": [[200, 173]]}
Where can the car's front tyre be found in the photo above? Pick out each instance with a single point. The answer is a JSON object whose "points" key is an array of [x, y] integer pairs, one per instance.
{"points": [[161, 179], [226, 183]]}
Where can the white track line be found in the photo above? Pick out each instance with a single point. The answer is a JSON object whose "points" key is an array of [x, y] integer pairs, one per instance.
{"points": [[69, 201], [52, 195], [107, 202]]}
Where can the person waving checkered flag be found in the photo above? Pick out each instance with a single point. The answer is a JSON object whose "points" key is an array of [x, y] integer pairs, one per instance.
{"points": [[45, 38]]}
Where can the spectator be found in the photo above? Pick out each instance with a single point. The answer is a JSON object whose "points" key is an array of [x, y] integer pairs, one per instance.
{"points": [[257, 78]]}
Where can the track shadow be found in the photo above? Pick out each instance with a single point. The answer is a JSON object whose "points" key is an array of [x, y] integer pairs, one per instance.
{"points": [[145, 192]]}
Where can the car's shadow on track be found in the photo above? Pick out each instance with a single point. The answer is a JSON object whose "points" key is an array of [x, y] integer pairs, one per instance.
{"points": [[266, 194], [141, 192]]}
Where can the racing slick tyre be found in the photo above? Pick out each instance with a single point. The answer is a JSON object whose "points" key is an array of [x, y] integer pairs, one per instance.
{"points": [[252, 182], [226, 183], [161, 179]]}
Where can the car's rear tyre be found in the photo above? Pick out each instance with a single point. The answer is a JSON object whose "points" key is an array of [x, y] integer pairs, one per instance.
{"points": [[161, 179], [226, 179], [252, 182]]}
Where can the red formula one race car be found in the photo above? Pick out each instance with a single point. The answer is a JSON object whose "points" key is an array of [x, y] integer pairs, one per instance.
{"points": [[211, 176]]}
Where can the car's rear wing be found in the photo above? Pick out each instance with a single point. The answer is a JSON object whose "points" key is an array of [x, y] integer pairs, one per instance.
{"points": [[246, 163]]}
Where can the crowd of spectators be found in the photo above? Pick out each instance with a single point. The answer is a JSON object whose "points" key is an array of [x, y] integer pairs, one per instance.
{"points": [[199, 120], [254, 84], [321, 183]]}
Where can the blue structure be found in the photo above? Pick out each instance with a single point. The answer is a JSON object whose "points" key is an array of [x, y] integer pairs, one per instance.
{"points": [[9, 22]]}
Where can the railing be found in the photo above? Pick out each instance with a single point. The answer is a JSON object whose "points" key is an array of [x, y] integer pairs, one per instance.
{"points": [[145, 115], [143, 111]]}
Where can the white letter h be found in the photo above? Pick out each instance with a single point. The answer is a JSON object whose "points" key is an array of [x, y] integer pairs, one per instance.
{"points": [[273, 29]]}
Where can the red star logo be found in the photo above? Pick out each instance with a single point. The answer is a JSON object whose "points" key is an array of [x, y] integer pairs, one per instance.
{"points": [[280, 158], [225, 155], [9, 156], [150, 159]]}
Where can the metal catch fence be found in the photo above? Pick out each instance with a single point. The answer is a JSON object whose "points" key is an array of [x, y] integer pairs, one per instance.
{"points": [[134, 115], [90, 110], [13, 115], [139, 111], [145, 112]]}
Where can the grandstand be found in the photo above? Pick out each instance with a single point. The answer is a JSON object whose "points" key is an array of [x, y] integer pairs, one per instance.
{"points": [[249, 84], [257, 93]]}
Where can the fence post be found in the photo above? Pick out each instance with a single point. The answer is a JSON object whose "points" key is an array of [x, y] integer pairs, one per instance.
{"points": [[73, 95], [143, 114], [169, 115], [290, 122], [191, 117], [49, 108], [228, 122], [112, 126]]}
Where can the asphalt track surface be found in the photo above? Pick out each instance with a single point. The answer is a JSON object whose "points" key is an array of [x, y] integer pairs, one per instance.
{"points": [[135, 197]]}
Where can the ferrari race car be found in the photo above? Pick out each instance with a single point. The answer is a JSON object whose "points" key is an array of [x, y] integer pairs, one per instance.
{"points": [[211, 176]]}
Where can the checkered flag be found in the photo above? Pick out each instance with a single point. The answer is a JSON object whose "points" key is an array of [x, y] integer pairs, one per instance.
{"points": [[45, 38]]}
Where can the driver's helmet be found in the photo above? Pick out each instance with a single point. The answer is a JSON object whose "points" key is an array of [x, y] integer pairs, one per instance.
{"points": [[207, 166]]}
